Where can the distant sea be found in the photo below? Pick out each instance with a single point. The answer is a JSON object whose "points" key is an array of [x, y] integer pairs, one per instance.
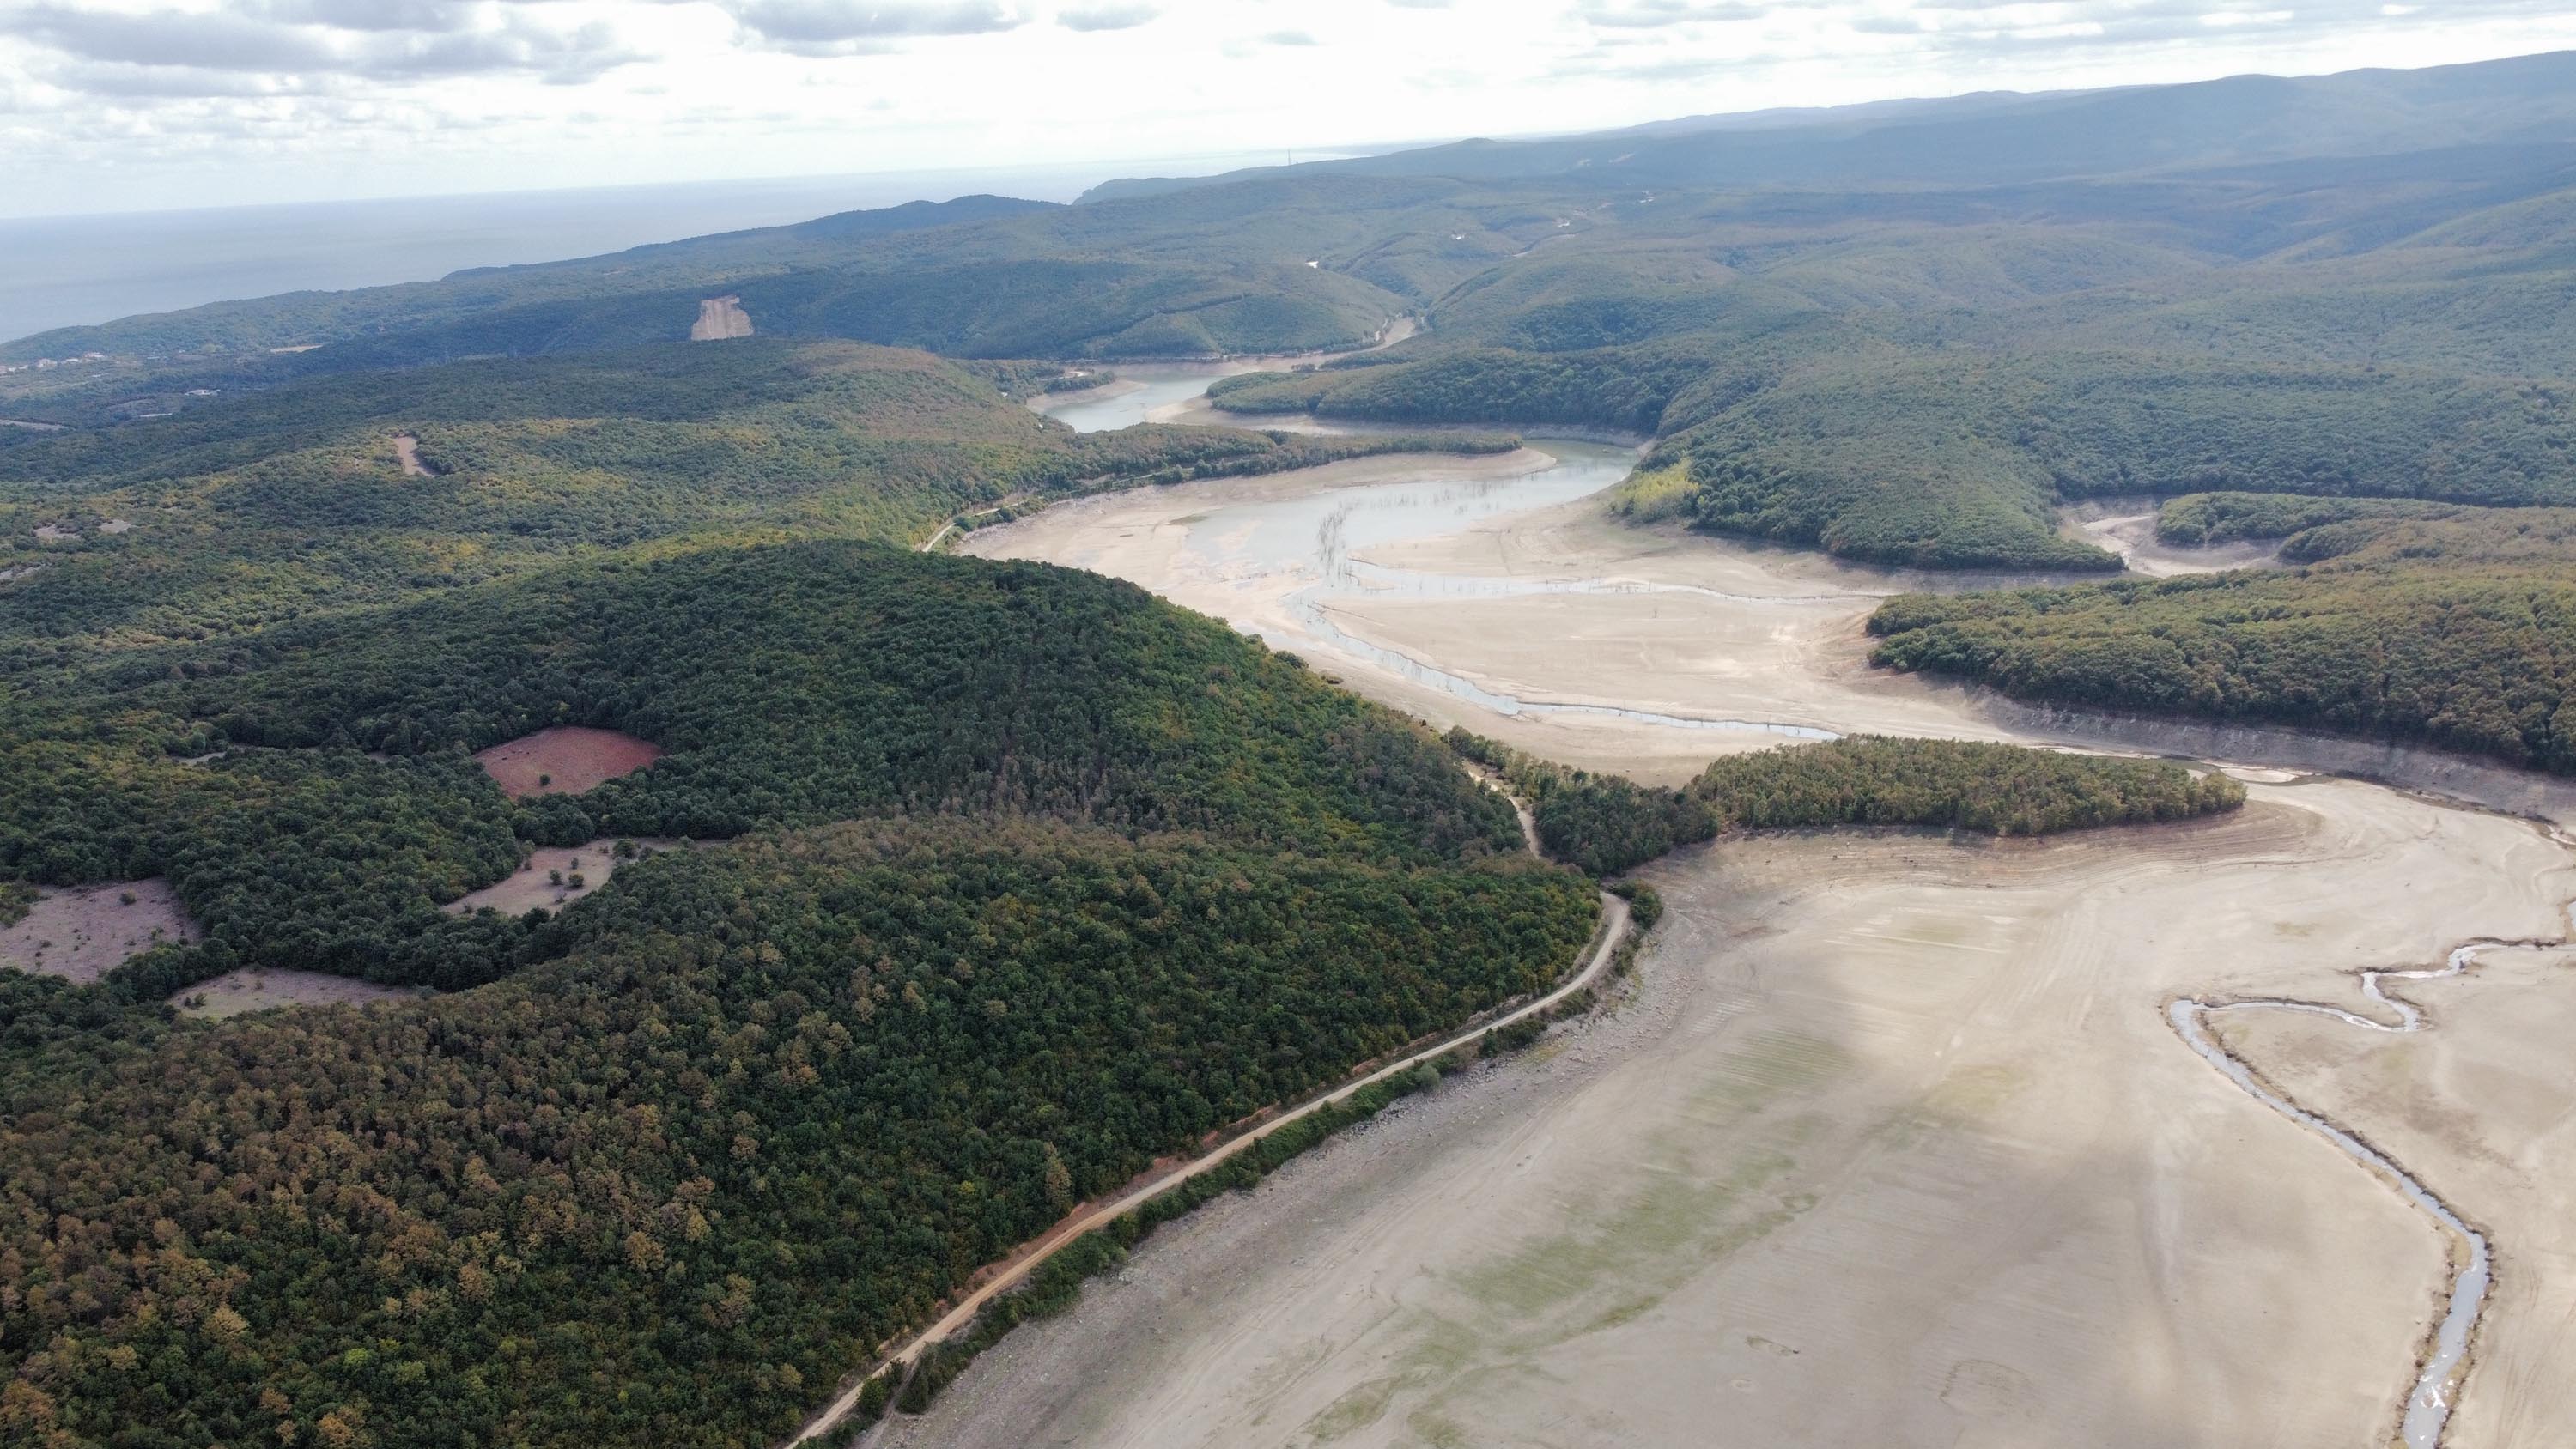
{"points": [[69, 271]]}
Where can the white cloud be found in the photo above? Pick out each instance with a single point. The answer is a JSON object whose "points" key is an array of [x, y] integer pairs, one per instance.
{"points": [[860, 27], [117, 103], [1106, 17]]}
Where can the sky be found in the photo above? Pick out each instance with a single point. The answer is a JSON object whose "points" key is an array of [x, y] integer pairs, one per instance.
{"points": [[110, 105]]}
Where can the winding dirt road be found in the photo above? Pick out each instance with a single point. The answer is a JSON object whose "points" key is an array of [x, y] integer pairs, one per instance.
{"points": [[1604, 948]]}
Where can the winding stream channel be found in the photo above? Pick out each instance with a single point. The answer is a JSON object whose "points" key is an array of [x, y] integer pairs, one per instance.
{"points": [[1305, 550], [2428, 1408]]}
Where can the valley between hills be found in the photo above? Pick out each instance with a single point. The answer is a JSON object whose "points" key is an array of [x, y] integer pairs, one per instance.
{"points": [[1902, 778]]}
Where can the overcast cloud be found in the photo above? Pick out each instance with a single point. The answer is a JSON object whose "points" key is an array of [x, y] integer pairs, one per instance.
{"points": [[110, 104]]}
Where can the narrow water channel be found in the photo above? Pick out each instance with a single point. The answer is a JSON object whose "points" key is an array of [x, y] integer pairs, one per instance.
{"points": [[1317, 537], [1141, 389], [2428, 1408]]}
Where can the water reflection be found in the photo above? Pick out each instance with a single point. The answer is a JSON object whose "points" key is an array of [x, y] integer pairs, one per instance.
{"points": [[1159, 386]]}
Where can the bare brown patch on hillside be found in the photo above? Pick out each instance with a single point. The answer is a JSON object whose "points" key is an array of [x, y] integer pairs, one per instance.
{"points": [[720, 318], [566, 760], [236, 992], [554, 877], [81, 932], [407, 453]]}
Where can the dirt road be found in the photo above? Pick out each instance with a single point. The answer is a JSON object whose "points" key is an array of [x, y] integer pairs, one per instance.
{"points": [[1604, 947]]}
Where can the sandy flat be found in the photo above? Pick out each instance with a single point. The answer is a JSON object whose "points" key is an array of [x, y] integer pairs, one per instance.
{"points": [[2482, 1107], [545, 879], [566, 760], [1894, 1148], [236, 992], [1783, 645], [83, 931], [2127, 527]]}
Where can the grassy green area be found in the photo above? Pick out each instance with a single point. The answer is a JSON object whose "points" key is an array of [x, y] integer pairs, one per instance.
{"points": [[1653, 495], [1012, 880]]}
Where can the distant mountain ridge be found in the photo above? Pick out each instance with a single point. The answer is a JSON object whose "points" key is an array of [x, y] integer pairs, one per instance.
{"points": [[839, 226], [1985, 137], [1694, 225]]}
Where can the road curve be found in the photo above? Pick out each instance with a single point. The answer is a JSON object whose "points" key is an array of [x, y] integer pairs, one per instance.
{"points": [[1604, 947]]}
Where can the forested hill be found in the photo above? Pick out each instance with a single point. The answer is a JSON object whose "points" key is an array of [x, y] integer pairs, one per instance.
{"points": [[342, 493], [1183, 276], [2412, 623], [2355, 285], [1998, 137], [1033, 879]]}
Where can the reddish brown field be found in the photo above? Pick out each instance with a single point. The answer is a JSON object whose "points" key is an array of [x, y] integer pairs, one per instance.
{"points": [[564, 761]]}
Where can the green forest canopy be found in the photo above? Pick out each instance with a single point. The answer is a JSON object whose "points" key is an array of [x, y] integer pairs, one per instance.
{"points": [[291, 503], [2479, 659], [1847, 334], [1035, 879], [1606, 823]]}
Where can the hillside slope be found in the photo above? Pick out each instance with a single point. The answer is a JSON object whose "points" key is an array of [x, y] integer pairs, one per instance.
{"points": [[1035, 879]]}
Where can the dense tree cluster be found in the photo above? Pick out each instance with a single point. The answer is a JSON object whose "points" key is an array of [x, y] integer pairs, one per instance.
{"points": [[792, 684], [1606, 823], [2197, 520], [1990, 789], [1625, 389], [773, 1103], [1037, 879], [2361, 531], [1027, 880], [2480, 658], [1902, 449], [1601, 824]]}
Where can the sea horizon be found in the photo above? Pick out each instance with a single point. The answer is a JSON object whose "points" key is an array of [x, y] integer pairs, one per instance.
{"points": [[77, 270]]}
